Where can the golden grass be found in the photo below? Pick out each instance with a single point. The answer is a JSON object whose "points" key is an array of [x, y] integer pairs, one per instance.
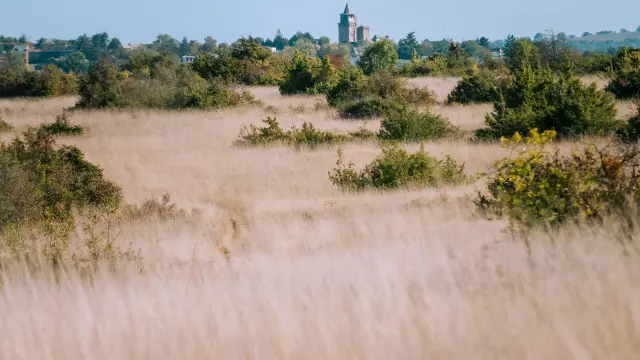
{"points": [[313, 272]]}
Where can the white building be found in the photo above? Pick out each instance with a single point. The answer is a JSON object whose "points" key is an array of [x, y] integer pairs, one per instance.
{"points": [[187, 59]]}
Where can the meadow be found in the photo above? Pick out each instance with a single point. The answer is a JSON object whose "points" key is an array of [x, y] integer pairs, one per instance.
{"points": [[271, 260]]}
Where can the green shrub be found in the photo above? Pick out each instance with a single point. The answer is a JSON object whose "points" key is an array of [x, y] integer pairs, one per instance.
{"points": [[475, 89], [349, 86], [307, 135], [48, 82], [412, 125], [215, 96], [41, 181], [396, 168], [542, 188], [377, 95], [539, 99], [307, 75], [379, 56], [171, 87], [62, 126], [102, 87], [625, 82], [5, 126], [369, 108]]}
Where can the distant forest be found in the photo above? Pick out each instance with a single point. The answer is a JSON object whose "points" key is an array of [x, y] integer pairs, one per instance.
{"points": [[77, 55]]}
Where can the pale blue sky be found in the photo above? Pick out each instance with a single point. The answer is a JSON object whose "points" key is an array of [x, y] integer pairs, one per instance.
{"points": [[142, 20]]}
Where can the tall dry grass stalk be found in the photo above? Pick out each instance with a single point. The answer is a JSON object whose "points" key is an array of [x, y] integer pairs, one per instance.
{"points": [[313, 272]]}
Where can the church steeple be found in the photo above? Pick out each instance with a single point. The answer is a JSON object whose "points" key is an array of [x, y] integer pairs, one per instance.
{"points": [[346, 9]]}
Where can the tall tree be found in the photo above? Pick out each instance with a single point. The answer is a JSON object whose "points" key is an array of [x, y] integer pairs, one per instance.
{"points": [[380, 55], [114, 45], [484, 42], [100, 41], [210, 44], [407, 45], [280, 41], [76, 62], [165, 43]]}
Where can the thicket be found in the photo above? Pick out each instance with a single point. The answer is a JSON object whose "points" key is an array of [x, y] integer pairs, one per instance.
{"points": [[357, 96], [155, 83], [538, 98], [308, 75], [396, 168], [62, 126], [305, 136], [405, 125], [541, 187], [413, 125], [44, 182], [454, 64], [248, 63], [480, 87], [51, 81], [625, 74]]}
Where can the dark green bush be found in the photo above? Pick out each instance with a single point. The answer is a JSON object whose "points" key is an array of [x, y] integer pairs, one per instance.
{"points": [[307, 135], [369, 108], [215, 96], [396, 168], [377, 95], [625, 82], [539, 99], [172, 87], [307, 75], [349, 86], [40, 181], [101, 88], [475, 89], [413, 125], [62, 126], [48, 82], [542, 188]]}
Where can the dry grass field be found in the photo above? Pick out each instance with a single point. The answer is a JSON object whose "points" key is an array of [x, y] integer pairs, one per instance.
{"points": [[314, 273]]}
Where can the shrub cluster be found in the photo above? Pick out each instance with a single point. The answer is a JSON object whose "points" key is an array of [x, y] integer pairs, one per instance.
{"points": [[396, 168], [413, 125], [538, 187], [48, 82], [307, 75], [625, 81], [248, 63], [437, 65], [539, 99], [480, 87], [357, 96], [159, 84], [40, 181], [307, 135], [62, 126]]}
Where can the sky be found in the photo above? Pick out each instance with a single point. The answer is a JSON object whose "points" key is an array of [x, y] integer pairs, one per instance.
{"points": [[140, 21]]}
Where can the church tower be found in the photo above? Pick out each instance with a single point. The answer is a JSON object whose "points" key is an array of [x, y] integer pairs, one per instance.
{"points": [[347, 27]]}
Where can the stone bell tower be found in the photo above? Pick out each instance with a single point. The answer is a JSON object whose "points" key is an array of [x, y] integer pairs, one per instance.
{"points": [[347, 27]]}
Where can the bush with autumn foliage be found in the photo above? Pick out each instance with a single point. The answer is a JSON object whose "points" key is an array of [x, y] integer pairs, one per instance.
{"points": [[542, 187]]}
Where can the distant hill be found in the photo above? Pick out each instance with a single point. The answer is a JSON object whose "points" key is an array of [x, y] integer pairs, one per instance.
{"points": [[605, 42]]}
